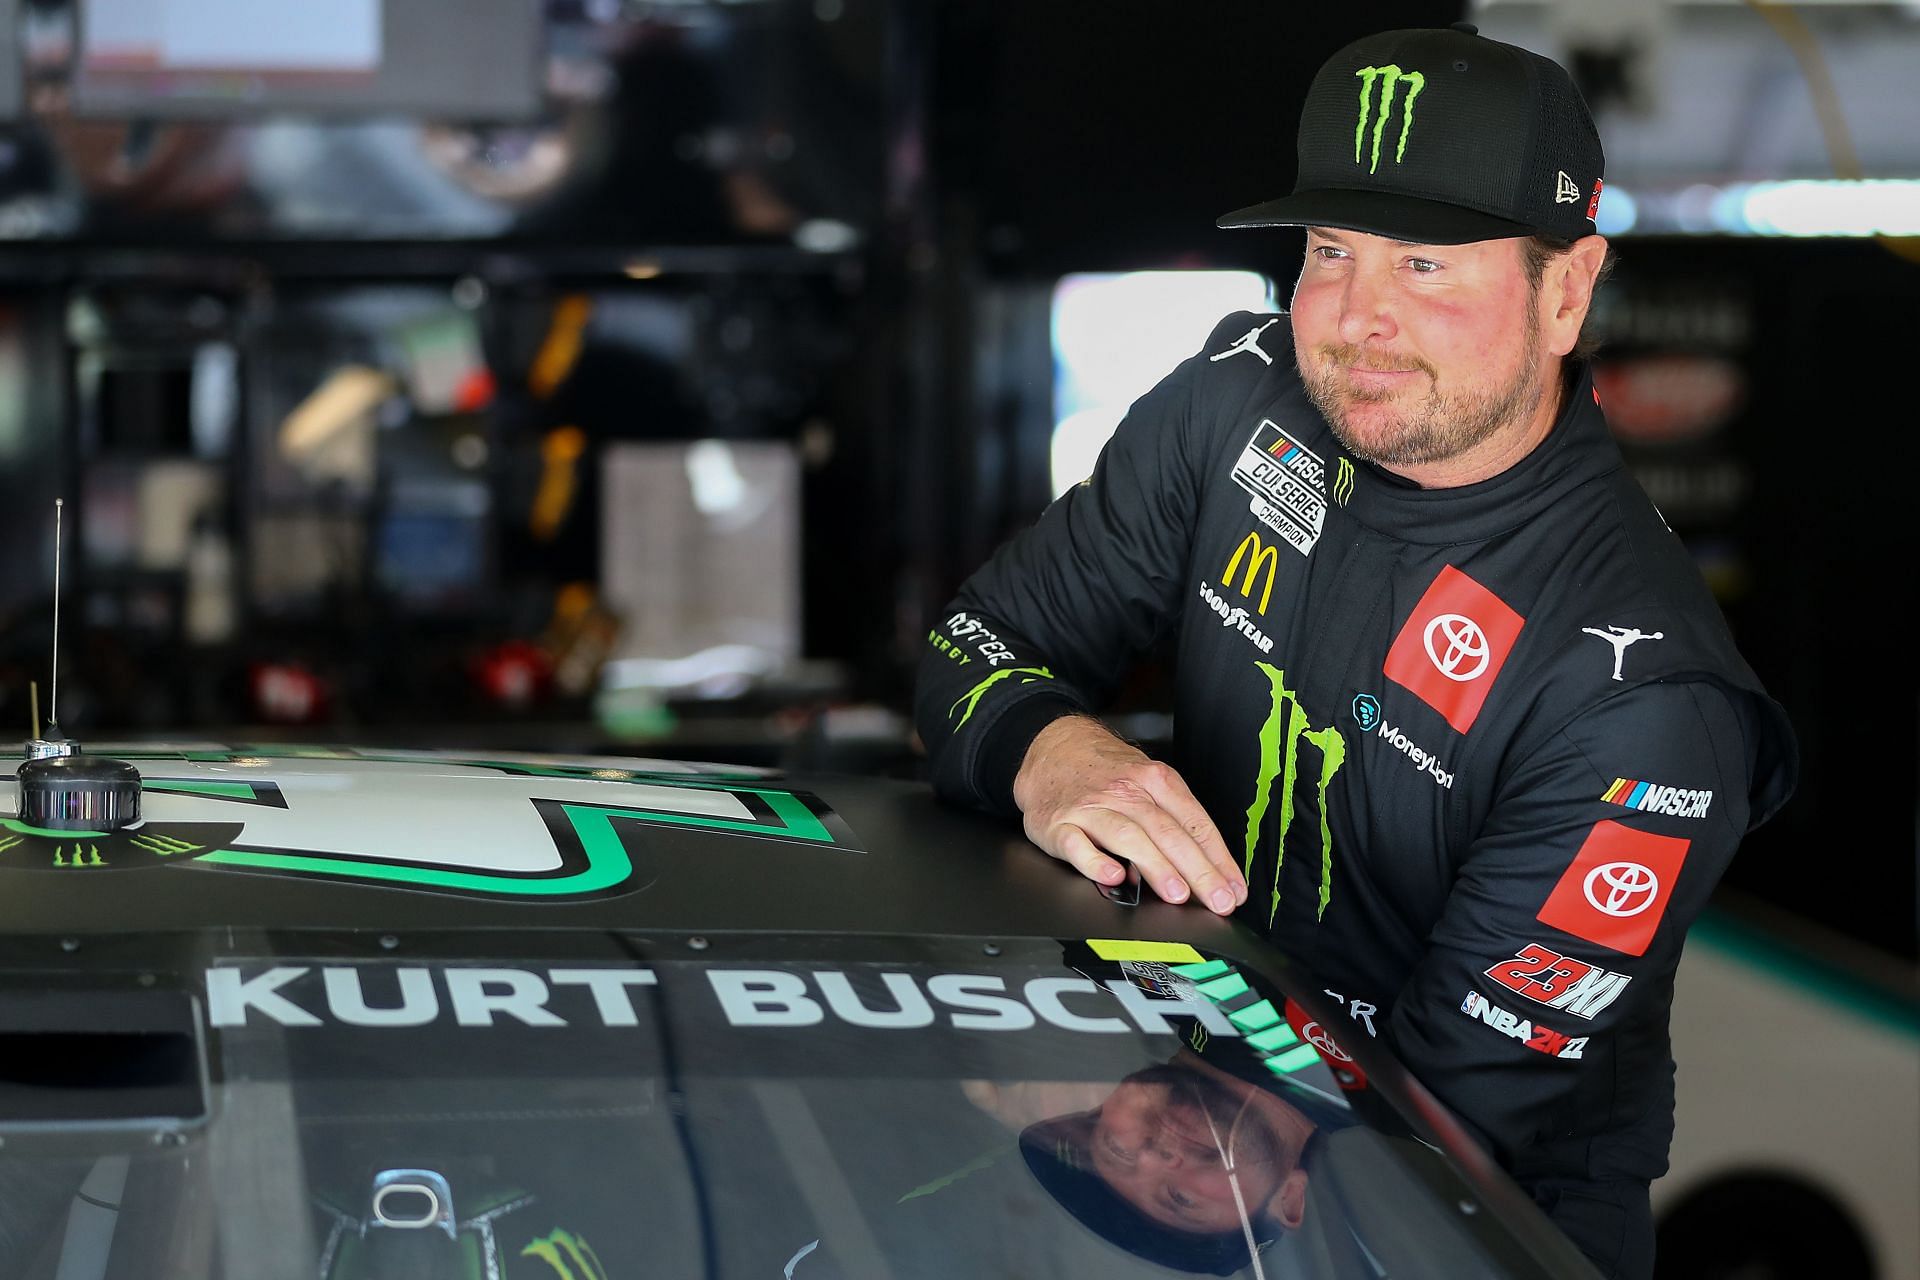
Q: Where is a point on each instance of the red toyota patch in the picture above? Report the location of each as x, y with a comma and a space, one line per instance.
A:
1617, 888
1451, 650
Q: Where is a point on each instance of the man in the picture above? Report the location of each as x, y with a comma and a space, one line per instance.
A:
1457, 722
1182, 1164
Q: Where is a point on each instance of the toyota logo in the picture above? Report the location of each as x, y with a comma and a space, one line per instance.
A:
1319, 1039
1628, 888
1457, 647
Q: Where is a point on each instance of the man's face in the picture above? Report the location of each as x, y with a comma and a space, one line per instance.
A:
1163, 1146
1416, 353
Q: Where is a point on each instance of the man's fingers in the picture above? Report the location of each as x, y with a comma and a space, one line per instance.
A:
1170, 791
1220, 891
1080, 852
1123, 835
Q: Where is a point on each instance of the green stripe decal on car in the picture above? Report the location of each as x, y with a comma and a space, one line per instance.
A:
1198, 972
608, 864
1293, 1060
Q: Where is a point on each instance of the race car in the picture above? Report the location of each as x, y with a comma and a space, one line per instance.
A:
354, 1014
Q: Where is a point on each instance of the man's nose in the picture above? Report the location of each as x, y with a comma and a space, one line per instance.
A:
1166, 1150
1366, 311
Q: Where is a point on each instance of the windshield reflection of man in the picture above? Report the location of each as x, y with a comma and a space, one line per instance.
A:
1181, 1164
1193, 1156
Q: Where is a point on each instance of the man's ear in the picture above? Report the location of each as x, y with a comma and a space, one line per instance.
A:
1566, 292
1288, 1205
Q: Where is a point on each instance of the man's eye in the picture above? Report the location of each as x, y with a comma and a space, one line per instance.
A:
1327, 252
1423, 266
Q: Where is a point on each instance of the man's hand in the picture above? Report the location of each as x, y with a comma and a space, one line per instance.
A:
1085, 794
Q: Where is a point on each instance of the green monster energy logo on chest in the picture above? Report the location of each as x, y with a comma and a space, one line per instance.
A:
1390, 78
1281, 739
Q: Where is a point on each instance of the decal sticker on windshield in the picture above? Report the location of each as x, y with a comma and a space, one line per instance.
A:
380, 995
492, 829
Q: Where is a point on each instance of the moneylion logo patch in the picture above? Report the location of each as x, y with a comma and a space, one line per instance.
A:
1294, 759
1391, 80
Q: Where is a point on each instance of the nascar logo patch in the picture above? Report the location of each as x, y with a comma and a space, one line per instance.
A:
1650, 797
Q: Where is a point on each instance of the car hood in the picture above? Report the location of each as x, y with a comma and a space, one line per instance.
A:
338, 837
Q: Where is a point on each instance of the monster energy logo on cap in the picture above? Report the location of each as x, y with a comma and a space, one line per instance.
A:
1498, 124
1390, 78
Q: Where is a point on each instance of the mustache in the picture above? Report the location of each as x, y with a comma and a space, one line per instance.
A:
1344, 354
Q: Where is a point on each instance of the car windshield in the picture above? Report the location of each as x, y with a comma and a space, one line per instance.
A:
740, 1106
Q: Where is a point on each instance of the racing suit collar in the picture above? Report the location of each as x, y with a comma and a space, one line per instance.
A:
1577, 450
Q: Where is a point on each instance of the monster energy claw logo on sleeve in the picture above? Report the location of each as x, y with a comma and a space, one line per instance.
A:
971, 698
1282, 741
1391, 78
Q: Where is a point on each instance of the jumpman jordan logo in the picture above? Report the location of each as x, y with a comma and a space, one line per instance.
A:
1250, 344
1620, 638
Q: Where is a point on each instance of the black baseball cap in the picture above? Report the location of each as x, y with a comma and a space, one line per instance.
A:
1441, 136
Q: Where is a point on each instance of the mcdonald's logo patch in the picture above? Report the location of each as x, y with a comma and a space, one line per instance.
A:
1258, 555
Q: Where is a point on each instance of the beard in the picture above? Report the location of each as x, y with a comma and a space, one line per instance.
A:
1444, 425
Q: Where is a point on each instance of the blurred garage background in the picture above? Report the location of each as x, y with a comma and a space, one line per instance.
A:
640, 377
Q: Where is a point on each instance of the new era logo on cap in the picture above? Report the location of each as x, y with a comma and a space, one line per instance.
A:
1618, 887
1450, 651
1567, 191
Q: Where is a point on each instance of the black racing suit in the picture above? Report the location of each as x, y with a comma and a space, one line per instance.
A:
1484, 751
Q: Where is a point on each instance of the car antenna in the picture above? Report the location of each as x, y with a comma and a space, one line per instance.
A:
61, 787
53, 743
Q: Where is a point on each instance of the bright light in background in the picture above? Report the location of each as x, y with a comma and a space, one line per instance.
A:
1115, 335
1825, 207
1874, 207
1617, 213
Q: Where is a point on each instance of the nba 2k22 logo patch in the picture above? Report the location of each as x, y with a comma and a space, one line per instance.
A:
1288, 482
